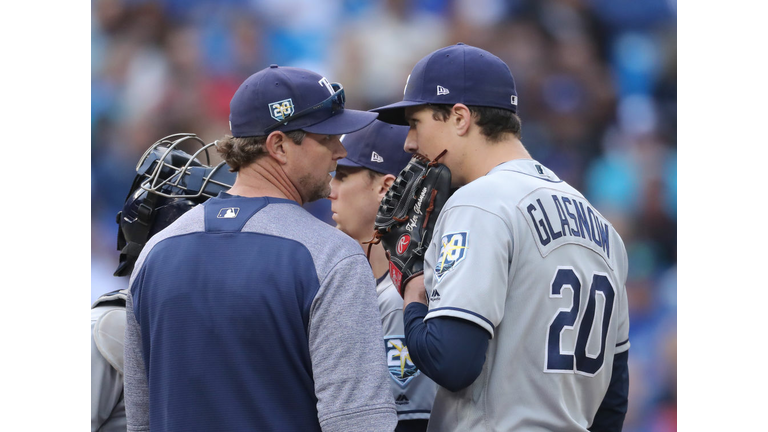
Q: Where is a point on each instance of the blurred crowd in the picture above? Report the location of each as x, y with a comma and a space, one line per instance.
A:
597, 85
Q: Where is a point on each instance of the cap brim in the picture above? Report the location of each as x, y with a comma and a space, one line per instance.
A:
345, 122
348, 163
395, 113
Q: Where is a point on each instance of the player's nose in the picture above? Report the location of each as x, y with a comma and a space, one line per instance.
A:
411, 146
334, 189
339, 151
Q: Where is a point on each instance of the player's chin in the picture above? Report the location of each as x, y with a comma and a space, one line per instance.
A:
339, 222
320, 191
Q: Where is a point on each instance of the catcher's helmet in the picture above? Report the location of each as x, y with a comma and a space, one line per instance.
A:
169, 182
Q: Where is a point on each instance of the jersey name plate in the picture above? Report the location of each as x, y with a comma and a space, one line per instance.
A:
556, 218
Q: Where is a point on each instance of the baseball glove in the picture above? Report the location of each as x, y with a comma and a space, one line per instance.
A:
407, 215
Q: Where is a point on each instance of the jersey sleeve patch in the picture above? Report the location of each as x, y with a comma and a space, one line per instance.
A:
453, 250
399, 363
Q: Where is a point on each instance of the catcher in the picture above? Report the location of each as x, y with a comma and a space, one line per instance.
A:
168, 183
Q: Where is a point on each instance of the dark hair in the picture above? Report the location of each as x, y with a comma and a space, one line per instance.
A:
373, 175
494, 122
242, 151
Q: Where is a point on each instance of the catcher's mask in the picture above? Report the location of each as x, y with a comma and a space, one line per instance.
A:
168, 183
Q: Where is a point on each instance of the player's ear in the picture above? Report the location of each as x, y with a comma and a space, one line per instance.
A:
385, 182
276, 146
460, 119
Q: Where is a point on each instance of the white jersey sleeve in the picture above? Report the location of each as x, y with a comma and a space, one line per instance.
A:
467, 268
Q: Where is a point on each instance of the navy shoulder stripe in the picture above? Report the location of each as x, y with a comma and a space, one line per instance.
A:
465, 311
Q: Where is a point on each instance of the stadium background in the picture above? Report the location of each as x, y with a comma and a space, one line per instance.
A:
597, 81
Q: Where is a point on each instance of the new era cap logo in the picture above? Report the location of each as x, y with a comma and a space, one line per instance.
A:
442, 90
514, 100
376, 158
228, 213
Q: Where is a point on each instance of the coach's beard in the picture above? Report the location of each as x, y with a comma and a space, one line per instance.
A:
314, 189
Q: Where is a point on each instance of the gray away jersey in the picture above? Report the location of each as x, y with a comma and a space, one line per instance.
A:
107, 334
523, 254
413, 391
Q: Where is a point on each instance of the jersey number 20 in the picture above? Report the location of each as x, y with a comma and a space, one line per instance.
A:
579, 360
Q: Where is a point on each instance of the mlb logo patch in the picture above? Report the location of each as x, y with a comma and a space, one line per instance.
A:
228, 213
281, 109
401, 368
453, 250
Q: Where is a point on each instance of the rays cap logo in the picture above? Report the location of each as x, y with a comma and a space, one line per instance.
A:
378, 147
474, 76
285, 99
453, 250
401, 367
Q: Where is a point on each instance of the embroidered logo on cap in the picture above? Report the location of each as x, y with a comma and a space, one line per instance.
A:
281, 109
442, 90
376, 158
327, 84
513, 101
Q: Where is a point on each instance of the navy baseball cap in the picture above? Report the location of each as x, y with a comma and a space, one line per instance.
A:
378, 147
288, 99
455, 74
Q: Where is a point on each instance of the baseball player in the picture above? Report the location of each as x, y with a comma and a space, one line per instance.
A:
148, 209
248, 313
375, 156
520, 315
